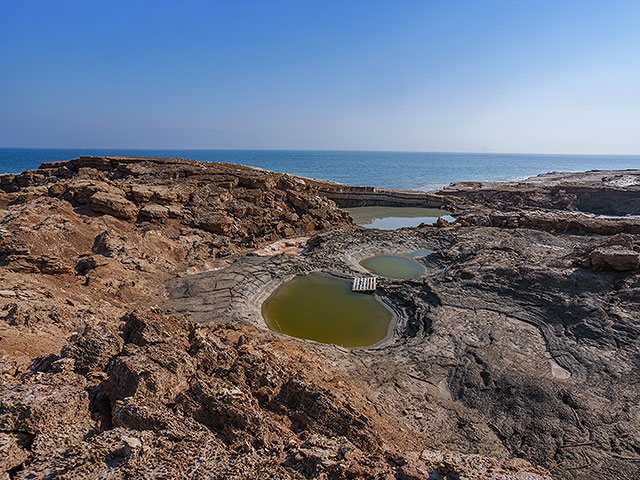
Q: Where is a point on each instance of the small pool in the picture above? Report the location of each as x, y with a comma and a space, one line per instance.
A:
323, 308
391, 218
396, 266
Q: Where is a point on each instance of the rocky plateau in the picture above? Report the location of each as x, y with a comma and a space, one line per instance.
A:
132, 343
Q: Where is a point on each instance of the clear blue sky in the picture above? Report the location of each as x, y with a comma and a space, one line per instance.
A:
494, 76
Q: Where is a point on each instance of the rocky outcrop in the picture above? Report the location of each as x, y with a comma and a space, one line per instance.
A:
616, 258
620, 253
548, 220
227, 402
509, 346
223, 199
520, 342
154, 211
115, 205
599, 192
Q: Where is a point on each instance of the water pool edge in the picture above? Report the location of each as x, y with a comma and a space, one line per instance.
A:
279, 283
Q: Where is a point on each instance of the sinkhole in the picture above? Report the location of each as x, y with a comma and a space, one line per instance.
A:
323, 308
396, 266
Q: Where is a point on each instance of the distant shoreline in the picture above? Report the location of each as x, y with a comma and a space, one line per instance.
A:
392, 170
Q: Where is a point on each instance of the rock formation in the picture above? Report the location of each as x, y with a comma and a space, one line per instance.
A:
132, 344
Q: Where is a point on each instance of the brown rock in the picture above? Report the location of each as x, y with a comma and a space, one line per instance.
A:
174, 211
114, 205
215, 223
47, 264
154, 211
86, 184
615, 257
93, 348
53, 406
141, 193
263, 182
99, 163
14, 449
56, 190
300, 200
164, 195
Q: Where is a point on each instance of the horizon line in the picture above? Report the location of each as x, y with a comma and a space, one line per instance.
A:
328, 150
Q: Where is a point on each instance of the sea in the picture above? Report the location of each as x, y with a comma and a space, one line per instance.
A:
396, 170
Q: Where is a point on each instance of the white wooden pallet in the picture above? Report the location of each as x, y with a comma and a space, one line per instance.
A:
364, 284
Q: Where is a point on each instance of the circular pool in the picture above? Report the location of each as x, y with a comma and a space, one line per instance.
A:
394, 266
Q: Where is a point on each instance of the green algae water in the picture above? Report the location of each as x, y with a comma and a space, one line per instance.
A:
323, 308
393, 266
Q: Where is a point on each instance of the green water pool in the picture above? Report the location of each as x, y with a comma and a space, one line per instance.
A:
323, 308
393, 266
396, 266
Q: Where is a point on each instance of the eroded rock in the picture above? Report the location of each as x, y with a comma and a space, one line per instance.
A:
104, 202
615, 257
93, 388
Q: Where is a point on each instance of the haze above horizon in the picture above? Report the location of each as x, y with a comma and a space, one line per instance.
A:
494, 76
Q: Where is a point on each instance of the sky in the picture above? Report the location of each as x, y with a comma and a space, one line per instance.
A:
544, 76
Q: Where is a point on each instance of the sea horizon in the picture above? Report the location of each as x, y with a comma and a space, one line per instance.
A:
411, 170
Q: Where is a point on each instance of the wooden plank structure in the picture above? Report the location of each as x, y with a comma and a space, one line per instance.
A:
364, 284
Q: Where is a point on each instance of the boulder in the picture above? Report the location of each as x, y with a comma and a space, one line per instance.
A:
56, 190
154, 211
614, 258
141, 193
93, 348
164, 194
215, 223
114, 205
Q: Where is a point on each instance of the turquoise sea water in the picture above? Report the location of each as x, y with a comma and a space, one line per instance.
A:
408, 170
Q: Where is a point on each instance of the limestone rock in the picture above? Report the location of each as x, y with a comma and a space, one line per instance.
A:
115, 205
141, 193
215, 223
47, 264
154, 211
615, 257
93, 348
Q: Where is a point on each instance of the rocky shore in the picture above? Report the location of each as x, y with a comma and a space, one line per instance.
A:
132, 343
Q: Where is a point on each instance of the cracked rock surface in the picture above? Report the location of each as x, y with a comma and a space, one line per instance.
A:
506, 347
